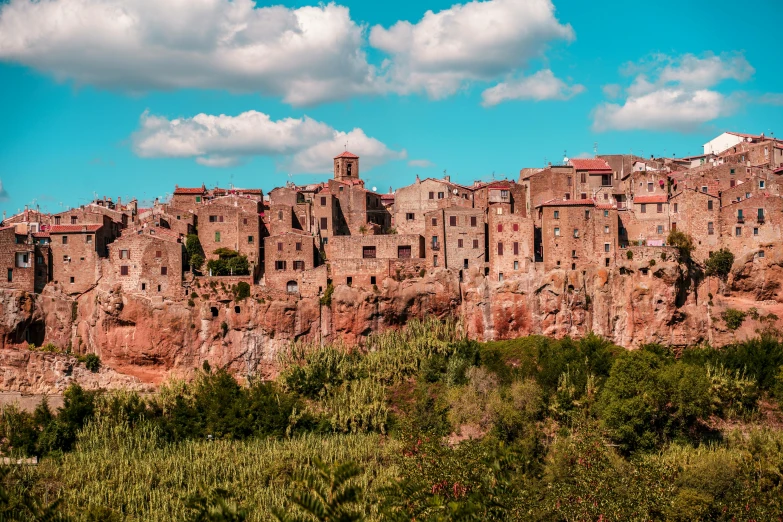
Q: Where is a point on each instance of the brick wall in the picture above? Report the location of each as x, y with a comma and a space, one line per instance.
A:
75, 260
698, 215
148, 265
510, 244
562, 247
282, 252
232, 222
17, 257
550, 183
387, 246
461, 234
422, 197
746, 233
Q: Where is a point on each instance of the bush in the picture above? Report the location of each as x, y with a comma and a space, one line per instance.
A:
194, 252
733, 318
242, 291
682, 242
629, 254
719, 263
326, 299
92, 362
229, 262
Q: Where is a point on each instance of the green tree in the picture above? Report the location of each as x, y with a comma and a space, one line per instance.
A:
229, 262
733, 318
194, 252
326, 494
682, 242
719, 263
214, 507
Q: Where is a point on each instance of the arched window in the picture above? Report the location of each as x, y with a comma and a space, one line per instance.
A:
292, 287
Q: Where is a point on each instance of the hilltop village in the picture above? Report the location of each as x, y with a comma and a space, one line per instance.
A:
301, 239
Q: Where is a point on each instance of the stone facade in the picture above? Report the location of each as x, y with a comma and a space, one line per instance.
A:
751, 222
456, 238
18, 258
648, 219
697, 214
553, 182
76, 250
148, 262
511, 239
232, 222
576, 234
413, 202
287, 255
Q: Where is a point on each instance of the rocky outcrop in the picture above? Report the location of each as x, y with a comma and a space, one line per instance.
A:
143, 341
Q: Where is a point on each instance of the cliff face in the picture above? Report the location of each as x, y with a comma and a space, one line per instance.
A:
142, 342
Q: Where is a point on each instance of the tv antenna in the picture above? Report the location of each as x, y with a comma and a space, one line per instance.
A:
595, 148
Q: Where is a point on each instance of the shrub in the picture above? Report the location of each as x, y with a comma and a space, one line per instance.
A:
326, 299
733, 318
92, 362
663, 256
191, 303
629, 254
229, 262
242, 291
719, 263
224, 328
194, 252
652, 262
682, 242
422, 272
193, 295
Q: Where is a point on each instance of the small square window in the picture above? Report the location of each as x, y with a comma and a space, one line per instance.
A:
607, 246
459, 243
250, 239
557, 232
475, 243
761, 253
217, 237
761, 184
65, 240
432, 195
158, 253
164, 270
755, 231
738, 231
299, 247
557, 214
515, 227
452, 221
144, 286
473, 221
73, 280
124, 270
409, 216
660, 229
372, 280
606, 213
576, 232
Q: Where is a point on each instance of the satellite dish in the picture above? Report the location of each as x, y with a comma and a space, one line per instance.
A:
455, 191
374, 189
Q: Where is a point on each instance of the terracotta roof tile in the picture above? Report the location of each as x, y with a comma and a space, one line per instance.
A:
40, 234
346, 154
658, 198
187, 190
74, 229
567, 202
591, 164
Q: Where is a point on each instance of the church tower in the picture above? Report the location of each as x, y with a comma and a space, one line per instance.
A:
346, 166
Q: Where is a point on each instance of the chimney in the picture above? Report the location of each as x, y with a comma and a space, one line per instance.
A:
418, 180
447, 178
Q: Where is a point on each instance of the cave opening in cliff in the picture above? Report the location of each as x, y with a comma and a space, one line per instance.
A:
214, 311
35, 333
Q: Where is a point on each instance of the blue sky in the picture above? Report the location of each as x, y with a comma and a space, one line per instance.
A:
125, 98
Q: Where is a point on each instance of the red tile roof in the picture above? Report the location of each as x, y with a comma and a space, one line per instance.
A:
346, 154
659, 198
40, 234
74, 229
388, 197
186, 190
605, 206
778, 171
567, 202
591, 164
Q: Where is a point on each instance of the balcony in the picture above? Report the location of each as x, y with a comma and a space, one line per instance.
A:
740, 219
760, 220
436, 246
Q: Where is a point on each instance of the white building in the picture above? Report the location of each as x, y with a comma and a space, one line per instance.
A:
725, 141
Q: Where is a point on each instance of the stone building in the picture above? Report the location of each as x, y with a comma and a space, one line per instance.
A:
593, 175
232, 222
553, 182
697, 214
412, 202
749, 223
577, 234
76, 250
648, 219
507, 195
716, 179
188, 198
760, 151
764, 185
366, 261
287, 256
456, 238
18, 258
95, 215
511, 243
326, 215
149, 261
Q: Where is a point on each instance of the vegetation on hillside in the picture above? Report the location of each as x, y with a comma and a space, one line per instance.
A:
423, 424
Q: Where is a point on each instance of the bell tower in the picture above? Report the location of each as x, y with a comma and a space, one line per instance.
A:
346, 166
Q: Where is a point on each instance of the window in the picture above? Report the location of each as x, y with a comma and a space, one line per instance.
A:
475, 243
659, 208
473, 221
704, 189
409, 216
504, 194
583, 195
299, 265
566, 196
573, 253
500, 249
569, 181
373, 280
56, 220
516, 265
298, 246
459, 243
452, 221
324, 223
557, 232
676, 208
10, 275
74, 220
732, 183
198, 199
710, 228
643, 208
434, 222
432, 195
761, 184
404, 252
73, 280
738, 231
576, 232
500, 276
279, 247
660, 229
65, 240
158, 253
213, 219
516, 248
755, 231
709, 205
606, 229
124, 270
761, 253
250, 239
434, 260
440, 195
732, 171
340, 189
515, 227
649, 186
244, 221
606, 213
607, 246
583, 177
606, 196
279, 265
587, 214
164, 270
39, 260
435, 242
368, 252
557, 214
500, 227
217, 237
323, 201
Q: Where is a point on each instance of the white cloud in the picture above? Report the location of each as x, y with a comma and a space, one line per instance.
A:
300, 144
472, 41
674, 93
612, 90
771, 98
542, 85
421, 163
306, 55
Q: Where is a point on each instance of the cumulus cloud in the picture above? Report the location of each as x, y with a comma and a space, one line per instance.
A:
471, 41
302, 145
421, 163
306, 55
771, 98
674, 93
542, 85
612, 90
